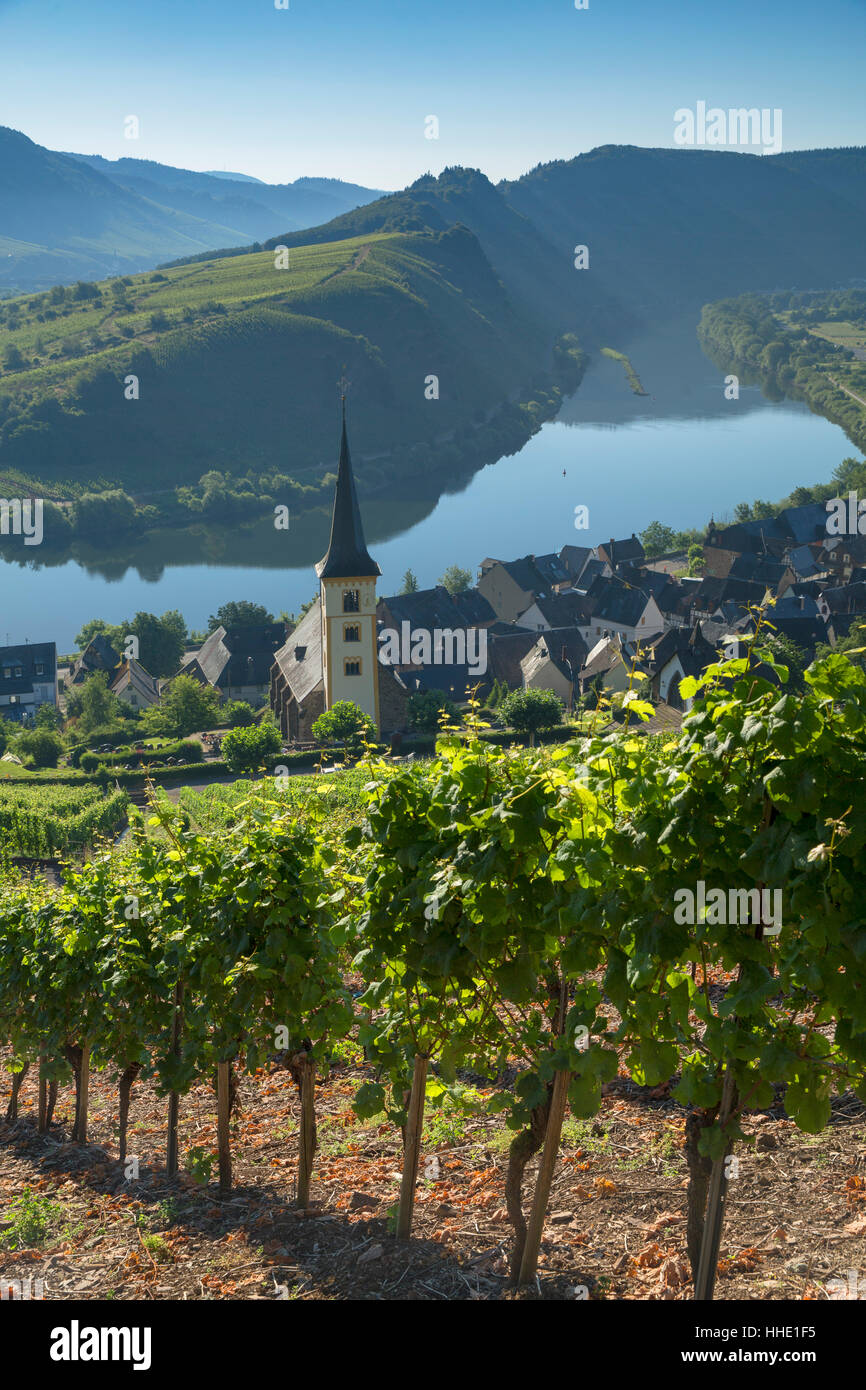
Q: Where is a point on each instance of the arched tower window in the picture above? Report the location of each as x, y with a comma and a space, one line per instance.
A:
351, 601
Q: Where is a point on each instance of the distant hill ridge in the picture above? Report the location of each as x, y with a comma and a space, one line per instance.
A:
65, 217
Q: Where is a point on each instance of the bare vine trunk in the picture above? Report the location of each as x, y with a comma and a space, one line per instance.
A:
17, 1083
522, 1148
52, 1101
78, 1057
127, 1081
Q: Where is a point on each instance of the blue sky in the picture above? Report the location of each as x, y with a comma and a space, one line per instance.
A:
342, 87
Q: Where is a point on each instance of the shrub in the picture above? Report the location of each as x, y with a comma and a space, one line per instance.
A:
343, 721
247, 749
239, 714
42, 746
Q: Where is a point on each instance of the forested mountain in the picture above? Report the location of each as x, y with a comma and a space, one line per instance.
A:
68, 217
666, 230
235, 365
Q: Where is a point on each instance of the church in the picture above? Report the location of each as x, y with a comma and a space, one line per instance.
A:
333, 652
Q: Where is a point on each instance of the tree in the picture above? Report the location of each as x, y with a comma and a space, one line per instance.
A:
529, 711
657, 539
424, 709
187, 707
245, 750
48, 717
697, 563
93, 704
160, 641
98, 627
104, 514
239, 714
13, 361
242, 614
456, 580
410, 583
342, 722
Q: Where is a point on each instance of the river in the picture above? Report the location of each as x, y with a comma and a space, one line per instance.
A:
677, 455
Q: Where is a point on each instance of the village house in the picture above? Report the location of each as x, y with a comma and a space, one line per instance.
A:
564, 610
621, 609
774, 535
615, 553
28, 679
237, 663
512, 586
554, 663
135, 686
98, 655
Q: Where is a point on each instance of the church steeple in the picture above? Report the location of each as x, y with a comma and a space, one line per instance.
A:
347, 556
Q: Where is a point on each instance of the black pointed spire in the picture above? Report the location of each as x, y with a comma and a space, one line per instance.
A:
347, 556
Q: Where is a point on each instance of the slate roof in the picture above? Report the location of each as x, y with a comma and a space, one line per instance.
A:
347, 556
846, 598
619, 605
242, 656
663, 587
552, 569
762, 569
565, 648
526, 575
98, 655
713, 592
432, 608
794, 526
303, 673
692, 649
564, 610
504, 655
592, 570
457, 682
621, 552
574, 557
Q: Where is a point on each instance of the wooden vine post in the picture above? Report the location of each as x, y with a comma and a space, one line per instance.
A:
43, 1097
302, 1067
127, 1081
224, 1105
412, 1148
173, 1096
705, 1281
83, 1078
541, 1196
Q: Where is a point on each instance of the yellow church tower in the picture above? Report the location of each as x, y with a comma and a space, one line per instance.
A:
347, 577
